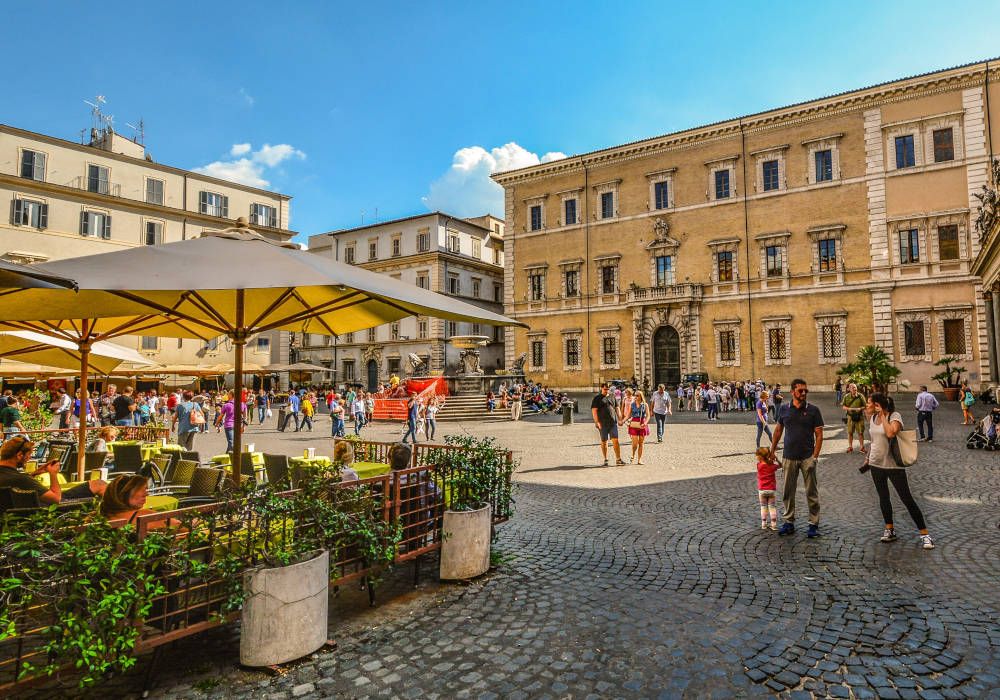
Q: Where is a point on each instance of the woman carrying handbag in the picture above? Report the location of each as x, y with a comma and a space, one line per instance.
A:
638, 425
885, 424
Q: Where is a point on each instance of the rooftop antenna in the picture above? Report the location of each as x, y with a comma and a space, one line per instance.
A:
376, 215
138, 132
101, 122
362, 217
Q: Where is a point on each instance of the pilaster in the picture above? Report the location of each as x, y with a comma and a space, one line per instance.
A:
878, 239
882, 318
977, 167
509, 348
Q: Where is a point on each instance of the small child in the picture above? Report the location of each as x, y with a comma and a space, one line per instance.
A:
767, 487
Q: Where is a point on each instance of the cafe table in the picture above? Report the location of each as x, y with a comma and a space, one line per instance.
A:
256, 458
157, 503
317, 461
366, 470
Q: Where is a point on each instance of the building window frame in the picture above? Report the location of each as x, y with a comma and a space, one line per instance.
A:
397, 245
477, 248
372, 249
819, 145
824, 270
155, 190
725, 261
537, 351
769, 167
831, 337
347, 367
263, 215
536, 215
34, 161
610, 347
152, 230
95, 223
727, 342
774, 268
30, 212
536, 285
350, 254
661, 189
98, 178
716, 192
607, 200
423, 240
963, 314
777, 332
910, 316
572, 349
213, 204
149, 343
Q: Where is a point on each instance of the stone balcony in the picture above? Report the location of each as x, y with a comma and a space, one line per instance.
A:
669, 292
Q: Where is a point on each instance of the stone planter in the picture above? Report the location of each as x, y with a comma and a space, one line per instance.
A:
950, 393
285, 611
465, 549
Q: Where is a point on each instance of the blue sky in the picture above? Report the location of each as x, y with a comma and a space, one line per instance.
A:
402, 107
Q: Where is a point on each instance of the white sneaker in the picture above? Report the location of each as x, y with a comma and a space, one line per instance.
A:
888, 535
926, 542
763, 526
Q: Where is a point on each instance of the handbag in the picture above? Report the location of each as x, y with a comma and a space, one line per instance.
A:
197, 416
635, 424
903, 448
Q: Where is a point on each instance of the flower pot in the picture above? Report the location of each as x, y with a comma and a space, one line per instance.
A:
285, 611
465, 549
950, 393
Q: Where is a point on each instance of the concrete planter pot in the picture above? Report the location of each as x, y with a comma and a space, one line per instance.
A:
465, 549
950, 393
285, 611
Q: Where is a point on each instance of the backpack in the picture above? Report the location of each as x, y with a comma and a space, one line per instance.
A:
969, 398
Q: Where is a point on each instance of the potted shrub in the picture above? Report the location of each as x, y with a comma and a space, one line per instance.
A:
950, 378
476, 481
872, 368
289, 541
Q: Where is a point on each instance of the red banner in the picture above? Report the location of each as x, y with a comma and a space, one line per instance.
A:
426, 387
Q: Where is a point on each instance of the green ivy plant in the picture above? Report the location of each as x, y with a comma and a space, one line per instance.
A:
478, 473
35, 413
83, 582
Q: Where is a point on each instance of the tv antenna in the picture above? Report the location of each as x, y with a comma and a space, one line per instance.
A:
138, 132
101, 121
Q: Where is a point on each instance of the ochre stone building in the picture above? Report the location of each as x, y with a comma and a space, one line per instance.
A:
773, 245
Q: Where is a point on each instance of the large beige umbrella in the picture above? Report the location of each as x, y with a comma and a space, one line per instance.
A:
27, 346
233, 283
14, 276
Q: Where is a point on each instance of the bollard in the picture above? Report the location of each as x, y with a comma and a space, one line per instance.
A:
567, 413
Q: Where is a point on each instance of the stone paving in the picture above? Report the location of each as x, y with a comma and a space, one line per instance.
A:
656, 581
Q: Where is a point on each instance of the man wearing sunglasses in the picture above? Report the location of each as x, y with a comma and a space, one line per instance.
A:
801, 424
14, 454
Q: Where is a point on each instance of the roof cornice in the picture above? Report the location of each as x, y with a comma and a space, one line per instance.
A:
851, 101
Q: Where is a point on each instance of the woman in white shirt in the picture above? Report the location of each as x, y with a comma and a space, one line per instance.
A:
884, 424
431, 416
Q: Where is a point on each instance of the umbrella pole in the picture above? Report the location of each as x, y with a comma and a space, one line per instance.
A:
81, 446
239, 340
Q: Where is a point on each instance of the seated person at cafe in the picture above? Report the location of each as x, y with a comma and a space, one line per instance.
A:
400, 456
105, 435
124, 499
14, 455
343, 456
94, 488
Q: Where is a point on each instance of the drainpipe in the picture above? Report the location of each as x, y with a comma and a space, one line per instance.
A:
586, 237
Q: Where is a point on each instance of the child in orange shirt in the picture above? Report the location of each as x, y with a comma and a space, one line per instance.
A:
767, 488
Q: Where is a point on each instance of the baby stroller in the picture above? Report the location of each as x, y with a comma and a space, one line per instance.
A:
985, 436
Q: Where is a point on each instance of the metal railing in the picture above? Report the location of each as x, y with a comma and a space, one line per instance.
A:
88, 184
667, 291
141, 433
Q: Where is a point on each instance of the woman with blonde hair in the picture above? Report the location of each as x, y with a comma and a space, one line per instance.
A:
124, 500
105, 435
343, 456
638, 424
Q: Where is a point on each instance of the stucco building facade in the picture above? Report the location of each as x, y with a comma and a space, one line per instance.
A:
436, 251
63, 199
773, 245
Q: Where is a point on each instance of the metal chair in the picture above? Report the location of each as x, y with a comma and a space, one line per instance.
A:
180, 478
192, 455
162, 463
276, 467
128, 458
12, 498
247, 468
94, 460
204, 487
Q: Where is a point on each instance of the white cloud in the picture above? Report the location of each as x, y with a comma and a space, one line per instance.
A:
248, 166
466, 189
248, 99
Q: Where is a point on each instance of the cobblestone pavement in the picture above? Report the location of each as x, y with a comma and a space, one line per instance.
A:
656, 581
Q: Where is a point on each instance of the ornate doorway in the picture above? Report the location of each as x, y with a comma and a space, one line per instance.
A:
666, 357
372, 375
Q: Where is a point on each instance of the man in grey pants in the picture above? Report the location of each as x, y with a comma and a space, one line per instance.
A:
801, 424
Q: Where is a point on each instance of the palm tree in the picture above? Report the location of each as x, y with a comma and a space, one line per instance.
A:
872, 367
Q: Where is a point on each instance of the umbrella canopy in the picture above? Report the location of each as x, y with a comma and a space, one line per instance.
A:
13, 276
26, 346
234, 283
192, 285
13, 368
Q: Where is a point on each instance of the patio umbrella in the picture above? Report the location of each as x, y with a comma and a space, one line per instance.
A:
298, 367
234, 283
13, 276
27, 346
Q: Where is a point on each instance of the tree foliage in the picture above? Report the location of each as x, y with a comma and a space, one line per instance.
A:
872, 368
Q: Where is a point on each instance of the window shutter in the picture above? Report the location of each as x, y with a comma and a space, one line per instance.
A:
40, 167
225, 207
203, 202
84, 224
43, 216
107, 227
17, 211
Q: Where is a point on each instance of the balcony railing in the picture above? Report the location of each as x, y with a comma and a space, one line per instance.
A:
667, 291
82, 182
